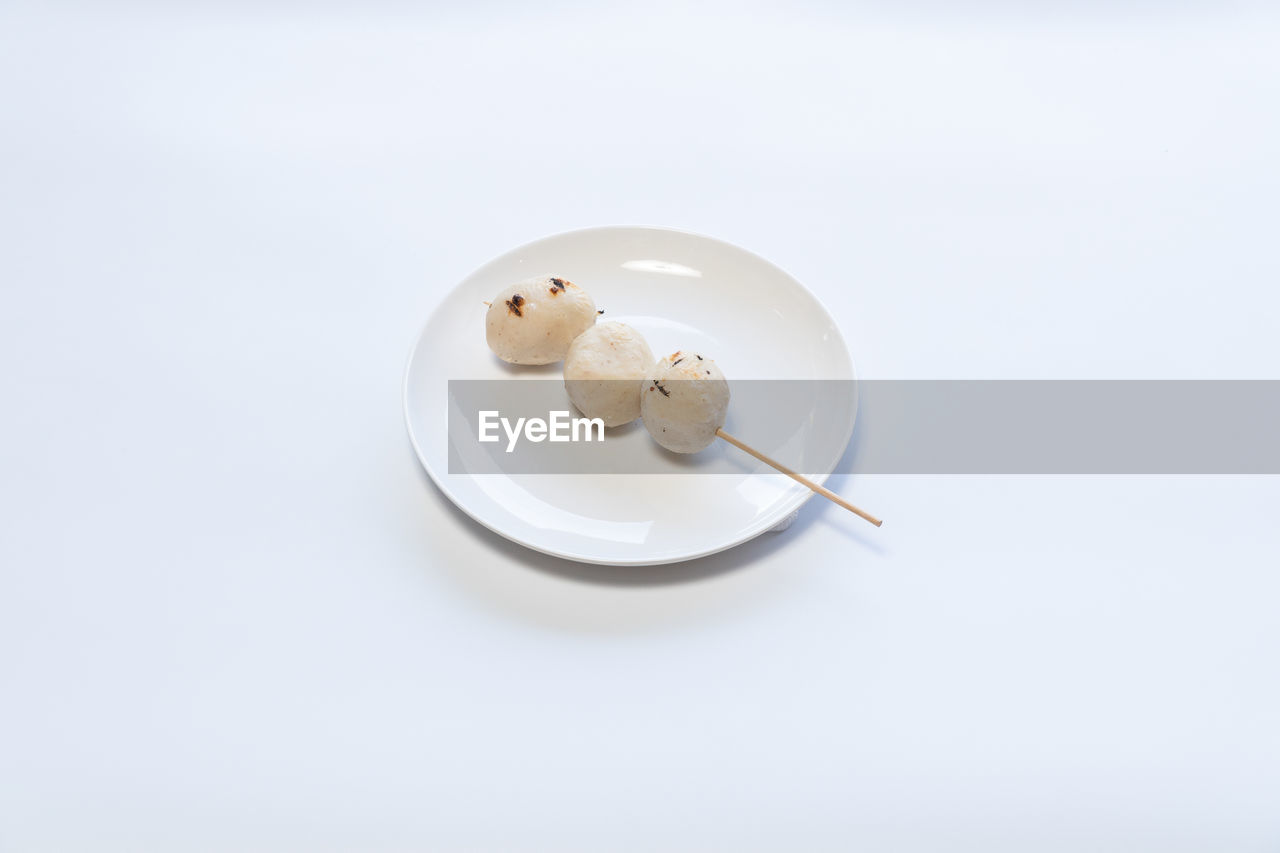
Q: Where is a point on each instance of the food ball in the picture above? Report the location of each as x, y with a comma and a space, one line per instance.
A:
534, 321
603, 372
684, 401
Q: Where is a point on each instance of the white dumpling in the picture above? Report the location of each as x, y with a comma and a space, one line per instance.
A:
603, 372
534, 321
684, 401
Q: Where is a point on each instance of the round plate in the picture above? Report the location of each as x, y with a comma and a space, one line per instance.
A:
682, 291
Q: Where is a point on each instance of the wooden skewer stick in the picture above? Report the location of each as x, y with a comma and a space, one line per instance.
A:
799, 478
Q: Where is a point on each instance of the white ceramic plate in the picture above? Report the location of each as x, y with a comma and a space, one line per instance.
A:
682, 291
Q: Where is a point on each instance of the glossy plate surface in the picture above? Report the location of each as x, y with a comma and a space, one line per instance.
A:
682, 291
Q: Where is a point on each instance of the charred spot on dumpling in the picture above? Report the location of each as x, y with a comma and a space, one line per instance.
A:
661, 388
557, 286
514, 303
677, 361
699, 357
601, 311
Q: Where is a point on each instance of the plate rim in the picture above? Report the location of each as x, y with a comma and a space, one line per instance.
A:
748, 532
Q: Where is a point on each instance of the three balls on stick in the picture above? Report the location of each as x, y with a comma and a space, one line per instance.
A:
610, 372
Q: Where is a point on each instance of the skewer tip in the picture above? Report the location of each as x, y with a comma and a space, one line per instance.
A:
799, 478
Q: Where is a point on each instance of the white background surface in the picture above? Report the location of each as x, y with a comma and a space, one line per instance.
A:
235, 615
